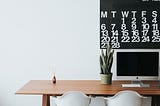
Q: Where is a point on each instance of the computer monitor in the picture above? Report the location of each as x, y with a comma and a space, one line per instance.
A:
137, 65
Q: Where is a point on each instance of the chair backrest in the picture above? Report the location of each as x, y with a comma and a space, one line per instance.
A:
73, 98
125, 98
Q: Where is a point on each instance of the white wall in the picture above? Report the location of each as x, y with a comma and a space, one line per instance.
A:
38, 37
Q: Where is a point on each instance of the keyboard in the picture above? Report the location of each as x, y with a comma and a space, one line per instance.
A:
131, 85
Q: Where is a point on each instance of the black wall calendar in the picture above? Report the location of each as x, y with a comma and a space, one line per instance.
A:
130, 24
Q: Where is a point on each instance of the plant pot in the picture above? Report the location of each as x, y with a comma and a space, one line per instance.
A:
106, 79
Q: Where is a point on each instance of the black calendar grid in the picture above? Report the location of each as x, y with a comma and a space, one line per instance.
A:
130, 24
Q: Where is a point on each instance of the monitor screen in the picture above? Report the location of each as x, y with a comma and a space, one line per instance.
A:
138, 65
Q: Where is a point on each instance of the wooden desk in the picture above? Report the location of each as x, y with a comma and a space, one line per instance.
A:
91, 87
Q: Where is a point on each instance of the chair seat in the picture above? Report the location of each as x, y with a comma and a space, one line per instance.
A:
126, 98
73, 98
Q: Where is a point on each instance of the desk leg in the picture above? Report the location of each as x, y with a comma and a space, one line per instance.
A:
45, 100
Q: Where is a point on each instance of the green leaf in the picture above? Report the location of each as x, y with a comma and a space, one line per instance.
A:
106, 59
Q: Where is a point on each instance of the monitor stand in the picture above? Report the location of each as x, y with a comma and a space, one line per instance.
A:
140, 82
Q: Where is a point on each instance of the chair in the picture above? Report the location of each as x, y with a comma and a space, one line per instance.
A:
73, 98
126, 98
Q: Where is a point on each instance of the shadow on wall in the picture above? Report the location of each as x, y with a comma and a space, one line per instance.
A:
1, 103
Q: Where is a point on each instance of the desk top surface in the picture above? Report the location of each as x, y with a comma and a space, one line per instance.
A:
90, 87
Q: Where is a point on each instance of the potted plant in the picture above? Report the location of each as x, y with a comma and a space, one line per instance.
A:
106, 61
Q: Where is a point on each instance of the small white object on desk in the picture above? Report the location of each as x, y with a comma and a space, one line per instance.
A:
131, 85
